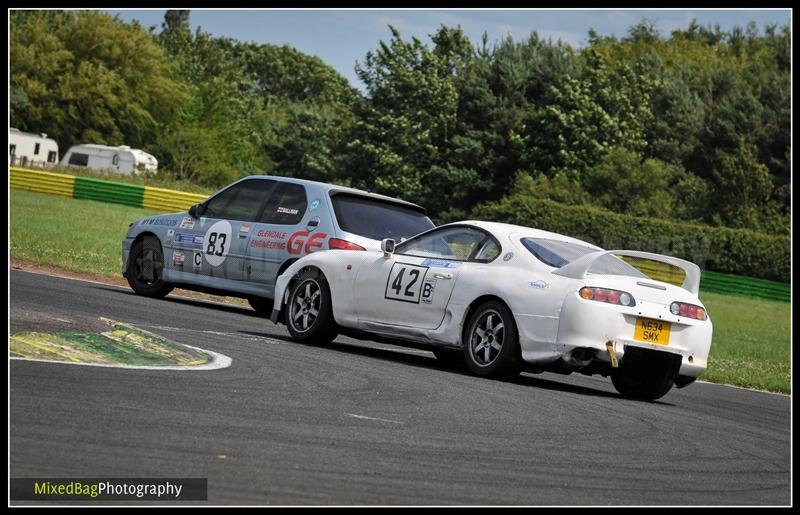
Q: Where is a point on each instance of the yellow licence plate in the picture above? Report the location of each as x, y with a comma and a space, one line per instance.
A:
652, 331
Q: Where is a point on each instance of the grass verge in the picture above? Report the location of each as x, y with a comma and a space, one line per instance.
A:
123, 345
76, 235
751, 346
752, 343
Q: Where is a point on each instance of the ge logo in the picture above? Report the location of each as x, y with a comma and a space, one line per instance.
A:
301, 243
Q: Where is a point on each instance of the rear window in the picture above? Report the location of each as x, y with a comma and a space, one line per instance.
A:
560, 253
378, 219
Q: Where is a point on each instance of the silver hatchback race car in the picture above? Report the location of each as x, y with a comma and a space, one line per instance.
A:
239, 240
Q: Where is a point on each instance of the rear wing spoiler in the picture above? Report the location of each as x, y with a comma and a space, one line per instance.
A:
578, 268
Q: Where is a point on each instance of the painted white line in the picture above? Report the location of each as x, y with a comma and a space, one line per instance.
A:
364, 417
217, 362
743, 388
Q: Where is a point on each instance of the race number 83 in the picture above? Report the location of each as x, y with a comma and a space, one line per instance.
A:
216, 242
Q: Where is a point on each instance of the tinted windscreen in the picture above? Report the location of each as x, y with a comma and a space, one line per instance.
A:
560, 253
376, 219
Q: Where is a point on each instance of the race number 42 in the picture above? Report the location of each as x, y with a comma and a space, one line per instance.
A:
406, 282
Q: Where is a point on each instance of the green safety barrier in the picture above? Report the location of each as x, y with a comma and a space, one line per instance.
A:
134, 195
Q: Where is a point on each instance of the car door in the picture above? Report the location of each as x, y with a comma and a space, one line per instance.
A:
286, 229
412, 287
216, 244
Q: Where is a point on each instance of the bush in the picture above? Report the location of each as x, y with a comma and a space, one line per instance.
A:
720, 249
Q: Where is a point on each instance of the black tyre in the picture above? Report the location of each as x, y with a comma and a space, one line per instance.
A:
450, 358
145, 272
646, 375
309, 317
261, 305
491, 342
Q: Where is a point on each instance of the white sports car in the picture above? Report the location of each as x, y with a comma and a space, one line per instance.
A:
505, 298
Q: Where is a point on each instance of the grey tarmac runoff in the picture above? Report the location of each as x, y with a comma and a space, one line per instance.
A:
360, 422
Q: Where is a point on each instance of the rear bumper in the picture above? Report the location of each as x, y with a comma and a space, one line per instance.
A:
591, 325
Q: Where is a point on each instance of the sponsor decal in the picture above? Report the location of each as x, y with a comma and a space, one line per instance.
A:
187, 223
267, 244
217, 242
441, 263
314, 204
301, 243
170, 233
287, 210
245, 228
178, 258
538, 284
197, 260
169, 222
189, 239
266, 239
271, 234
508, 256
427, 291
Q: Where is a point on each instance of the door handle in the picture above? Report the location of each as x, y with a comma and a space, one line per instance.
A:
442, 276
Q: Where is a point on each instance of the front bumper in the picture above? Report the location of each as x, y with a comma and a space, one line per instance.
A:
126, 251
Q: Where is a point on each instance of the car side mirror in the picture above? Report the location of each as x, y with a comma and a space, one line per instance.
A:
387, 246
196, 210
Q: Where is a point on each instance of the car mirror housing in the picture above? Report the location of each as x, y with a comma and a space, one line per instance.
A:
196, 210
387, 246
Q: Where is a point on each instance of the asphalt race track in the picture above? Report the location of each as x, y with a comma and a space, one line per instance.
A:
366, 423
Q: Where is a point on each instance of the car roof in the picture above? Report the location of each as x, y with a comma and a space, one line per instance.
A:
335, 188
503, 231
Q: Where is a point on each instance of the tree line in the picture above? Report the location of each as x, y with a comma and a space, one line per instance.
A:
693, 126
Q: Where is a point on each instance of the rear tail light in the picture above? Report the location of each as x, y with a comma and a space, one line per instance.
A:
337, 244
688, 310
607, 295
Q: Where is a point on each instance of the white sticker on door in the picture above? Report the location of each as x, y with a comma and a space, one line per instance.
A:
217, 242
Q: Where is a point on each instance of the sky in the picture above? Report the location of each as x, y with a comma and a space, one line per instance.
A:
342, 37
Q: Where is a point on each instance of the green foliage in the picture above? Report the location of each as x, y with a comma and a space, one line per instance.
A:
625, 183
691, 126
400, 142
87, 77
585, 116
734, 251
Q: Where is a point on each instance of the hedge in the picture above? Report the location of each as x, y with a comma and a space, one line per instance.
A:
721, 249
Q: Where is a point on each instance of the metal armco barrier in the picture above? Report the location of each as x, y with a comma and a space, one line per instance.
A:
45, 182
104, 191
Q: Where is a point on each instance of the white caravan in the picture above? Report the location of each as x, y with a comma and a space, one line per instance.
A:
122, 159
26, 149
